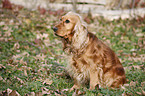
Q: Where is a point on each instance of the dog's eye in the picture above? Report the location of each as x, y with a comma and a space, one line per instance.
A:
60, 19
67, 21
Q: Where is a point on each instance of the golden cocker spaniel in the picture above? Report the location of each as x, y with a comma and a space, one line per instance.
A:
92, 61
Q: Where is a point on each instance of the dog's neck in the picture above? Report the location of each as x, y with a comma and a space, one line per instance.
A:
79, 39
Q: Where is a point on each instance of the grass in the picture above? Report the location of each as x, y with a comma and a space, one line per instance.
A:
30, 55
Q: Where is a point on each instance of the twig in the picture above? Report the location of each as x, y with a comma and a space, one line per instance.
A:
74, 2
132, 11
120, 2
8, 12
133, 4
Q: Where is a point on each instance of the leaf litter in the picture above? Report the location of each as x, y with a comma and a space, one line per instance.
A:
32, 56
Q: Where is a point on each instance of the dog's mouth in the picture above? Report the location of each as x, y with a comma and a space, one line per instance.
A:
58, 35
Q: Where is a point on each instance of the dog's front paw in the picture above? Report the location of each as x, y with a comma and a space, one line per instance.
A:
95, 87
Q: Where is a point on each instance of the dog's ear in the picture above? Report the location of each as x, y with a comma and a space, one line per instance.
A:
80, 34
80, 26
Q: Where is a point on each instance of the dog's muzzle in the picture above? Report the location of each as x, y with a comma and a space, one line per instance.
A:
55, 29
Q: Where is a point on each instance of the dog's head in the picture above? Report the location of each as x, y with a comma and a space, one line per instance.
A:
72, 27
69, 24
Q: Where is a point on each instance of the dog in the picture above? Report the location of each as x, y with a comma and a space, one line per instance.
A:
92, 61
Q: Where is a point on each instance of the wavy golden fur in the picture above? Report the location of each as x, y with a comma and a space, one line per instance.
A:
92, 61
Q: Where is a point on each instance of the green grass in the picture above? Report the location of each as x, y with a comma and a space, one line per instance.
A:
30, 54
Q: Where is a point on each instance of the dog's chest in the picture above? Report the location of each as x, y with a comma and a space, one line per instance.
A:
80, 68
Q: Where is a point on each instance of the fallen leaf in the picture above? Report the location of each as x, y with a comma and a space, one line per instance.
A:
20, 80
6, 4
75, 93
143, 83
46, 42
30, 94
2, 23
14, 93
65, 90
38, 94
136, 66
132, 83
45, 91
124, 86
1, 66
140, 34
56, 94
1, 78
48, 82
42, 10
59, 74
41, 70
141, 93
22, 61
25, 72
40, 57
27, 21
38, 41
9, 91
41, 36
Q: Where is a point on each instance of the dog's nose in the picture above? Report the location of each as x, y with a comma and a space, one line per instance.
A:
55, 29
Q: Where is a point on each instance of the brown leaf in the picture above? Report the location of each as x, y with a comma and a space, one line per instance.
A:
27, 21
56, 94
143, 83
20, 80
42, 10
46, 42
1, 66
132, 83
6, 4
14, 93
30, 94
141, 93
124, 86
65, 90
44, 51
75, 93
1, 78
45, 91
25, 72
87, 19
40, 56
16, 45
41, 70
48, 82
136, 66
59, 74
9, 91
38, 41
23, 62
38, 94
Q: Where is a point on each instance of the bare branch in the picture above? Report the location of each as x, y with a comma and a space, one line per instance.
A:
74, 2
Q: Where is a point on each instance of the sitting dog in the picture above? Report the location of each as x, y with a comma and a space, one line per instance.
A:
92, 61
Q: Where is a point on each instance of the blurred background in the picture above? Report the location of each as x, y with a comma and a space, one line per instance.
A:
110, 9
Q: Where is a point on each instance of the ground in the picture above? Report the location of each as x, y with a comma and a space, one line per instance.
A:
31, 56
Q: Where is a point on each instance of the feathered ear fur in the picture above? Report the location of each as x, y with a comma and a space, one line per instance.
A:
80, 33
